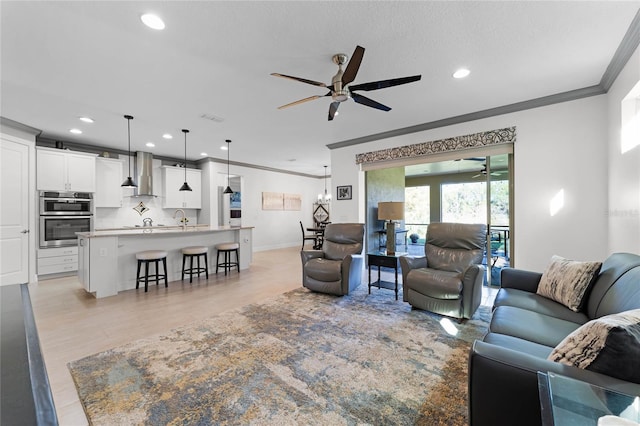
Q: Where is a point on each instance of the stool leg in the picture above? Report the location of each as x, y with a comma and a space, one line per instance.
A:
226, 262
206, 265
157, 271
237, 261
217, 261
190, 269
184, 258
138, 274
198, 266
164, 264
146, 276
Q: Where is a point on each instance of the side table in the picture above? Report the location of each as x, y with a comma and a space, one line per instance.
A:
381, 258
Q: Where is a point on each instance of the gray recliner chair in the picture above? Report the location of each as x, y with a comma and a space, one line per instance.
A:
448, 279
337, 268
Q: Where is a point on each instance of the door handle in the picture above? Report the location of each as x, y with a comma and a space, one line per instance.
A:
24, 231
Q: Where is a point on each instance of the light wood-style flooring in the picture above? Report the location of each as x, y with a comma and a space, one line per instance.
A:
73, 324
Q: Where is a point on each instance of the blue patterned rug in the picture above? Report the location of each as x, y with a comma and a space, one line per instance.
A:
299, 358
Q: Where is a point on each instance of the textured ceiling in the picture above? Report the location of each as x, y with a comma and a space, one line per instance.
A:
61, 60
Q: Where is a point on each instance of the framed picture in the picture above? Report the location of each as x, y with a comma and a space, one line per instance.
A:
344, 192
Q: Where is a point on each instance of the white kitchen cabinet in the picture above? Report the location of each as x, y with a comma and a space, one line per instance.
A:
62, 170
57, 260
97, 262
108, 181
172, 180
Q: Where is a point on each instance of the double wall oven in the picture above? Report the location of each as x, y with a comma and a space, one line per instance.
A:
62, 214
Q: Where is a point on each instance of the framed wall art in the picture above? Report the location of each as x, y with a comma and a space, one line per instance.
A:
343, 192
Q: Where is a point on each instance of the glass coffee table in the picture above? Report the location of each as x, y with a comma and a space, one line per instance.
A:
566, 402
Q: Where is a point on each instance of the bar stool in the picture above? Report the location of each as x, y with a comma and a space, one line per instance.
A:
227, 249
146, 257
190, 253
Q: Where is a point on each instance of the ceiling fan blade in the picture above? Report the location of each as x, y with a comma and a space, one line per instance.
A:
375, 85
369, 102
333, 109
478, 175
353, 66
302, 80
301, 101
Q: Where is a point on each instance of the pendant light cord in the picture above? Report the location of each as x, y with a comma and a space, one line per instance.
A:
185, 154
129, 139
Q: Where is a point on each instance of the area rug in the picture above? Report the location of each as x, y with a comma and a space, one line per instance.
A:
299, 358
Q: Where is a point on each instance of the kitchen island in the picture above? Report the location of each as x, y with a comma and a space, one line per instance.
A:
107, 258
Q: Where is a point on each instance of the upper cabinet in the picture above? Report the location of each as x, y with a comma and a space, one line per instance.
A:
62, 170
108, 181
172, 180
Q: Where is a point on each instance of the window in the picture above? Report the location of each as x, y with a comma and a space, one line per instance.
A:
417, 210
464, 202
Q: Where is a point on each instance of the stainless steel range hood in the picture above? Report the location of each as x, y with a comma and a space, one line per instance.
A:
144, 173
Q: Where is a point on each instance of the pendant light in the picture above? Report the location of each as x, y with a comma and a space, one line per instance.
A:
185, 186
326, 198
128, 182
228, 189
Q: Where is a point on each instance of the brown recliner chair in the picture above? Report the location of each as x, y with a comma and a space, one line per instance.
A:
337, 268
448, 279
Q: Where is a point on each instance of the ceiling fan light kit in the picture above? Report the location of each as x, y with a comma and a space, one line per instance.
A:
339, 89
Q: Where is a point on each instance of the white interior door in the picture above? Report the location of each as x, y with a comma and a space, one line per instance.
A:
14, 212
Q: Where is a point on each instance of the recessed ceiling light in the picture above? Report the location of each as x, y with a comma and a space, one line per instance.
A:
152, 21
204, 154
86, 119
150, 144
167, 136
461, 73
76, 131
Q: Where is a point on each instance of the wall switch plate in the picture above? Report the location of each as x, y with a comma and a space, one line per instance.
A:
103, 252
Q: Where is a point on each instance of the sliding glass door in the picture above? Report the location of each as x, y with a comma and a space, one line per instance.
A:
482, 196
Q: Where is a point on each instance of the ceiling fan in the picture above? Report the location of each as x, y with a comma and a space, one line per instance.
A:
339, 89
483, 172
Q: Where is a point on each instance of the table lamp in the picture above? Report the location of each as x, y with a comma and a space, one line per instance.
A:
391, 211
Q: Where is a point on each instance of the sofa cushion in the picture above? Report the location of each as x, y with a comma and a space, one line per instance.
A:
609, 345
567, 281
524, 324
436, 284
324, 269
536, 303
517, 344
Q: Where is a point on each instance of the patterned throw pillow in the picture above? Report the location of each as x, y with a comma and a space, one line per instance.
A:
609, 345
567, 281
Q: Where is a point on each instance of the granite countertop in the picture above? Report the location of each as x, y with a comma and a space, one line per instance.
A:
158, 230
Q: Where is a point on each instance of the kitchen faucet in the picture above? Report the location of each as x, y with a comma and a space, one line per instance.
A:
184, 221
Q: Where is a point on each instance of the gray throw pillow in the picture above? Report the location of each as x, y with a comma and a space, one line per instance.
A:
609, 345
567, 281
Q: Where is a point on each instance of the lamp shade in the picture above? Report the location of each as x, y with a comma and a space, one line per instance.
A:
391, 210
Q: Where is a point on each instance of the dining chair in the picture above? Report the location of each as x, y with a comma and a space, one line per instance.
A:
307, 237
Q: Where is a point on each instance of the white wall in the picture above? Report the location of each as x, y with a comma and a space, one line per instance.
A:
624, 167
562, 146
272, 228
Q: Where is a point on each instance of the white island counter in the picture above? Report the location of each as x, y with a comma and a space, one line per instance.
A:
107, 258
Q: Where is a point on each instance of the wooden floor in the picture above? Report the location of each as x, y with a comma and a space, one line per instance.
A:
73, 324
